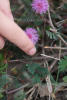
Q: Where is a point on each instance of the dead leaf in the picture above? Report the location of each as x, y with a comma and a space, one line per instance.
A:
43, 91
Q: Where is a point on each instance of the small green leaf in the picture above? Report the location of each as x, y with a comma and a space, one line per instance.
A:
32, 67
52, 79
51, 35
4, 79
42, 72
1, 57
1, 95
63, 64
36, 79
65, 6
65, 79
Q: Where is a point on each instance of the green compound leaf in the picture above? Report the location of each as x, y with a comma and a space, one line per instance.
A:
4, 79
42, 72
32, 67
35, 69
36, 79
63, 64
51, 35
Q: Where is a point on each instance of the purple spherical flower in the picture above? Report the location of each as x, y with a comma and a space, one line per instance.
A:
32, 34
40, 6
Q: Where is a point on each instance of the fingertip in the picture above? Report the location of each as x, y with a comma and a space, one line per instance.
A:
32, 51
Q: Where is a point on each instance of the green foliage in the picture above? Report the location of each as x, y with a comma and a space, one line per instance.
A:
27, 2
1, 57
37, 72
28, 16
4, 79
51, 35
3, 68
20, 95
65, 6
16, 83
63, 67
1, 95
2, 65
32, 68
36, 79
42, 72
63, 64
65, 79
52, 79
39, 32
54, 16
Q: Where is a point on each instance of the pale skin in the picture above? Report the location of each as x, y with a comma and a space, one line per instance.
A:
12, 32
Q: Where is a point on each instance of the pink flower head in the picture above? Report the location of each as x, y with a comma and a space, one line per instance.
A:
32, 34
40, 6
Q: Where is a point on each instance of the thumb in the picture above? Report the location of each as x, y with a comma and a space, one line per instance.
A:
5, 8
16, 35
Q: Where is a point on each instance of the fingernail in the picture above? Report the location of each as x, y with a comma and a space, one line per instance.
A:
32, 51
